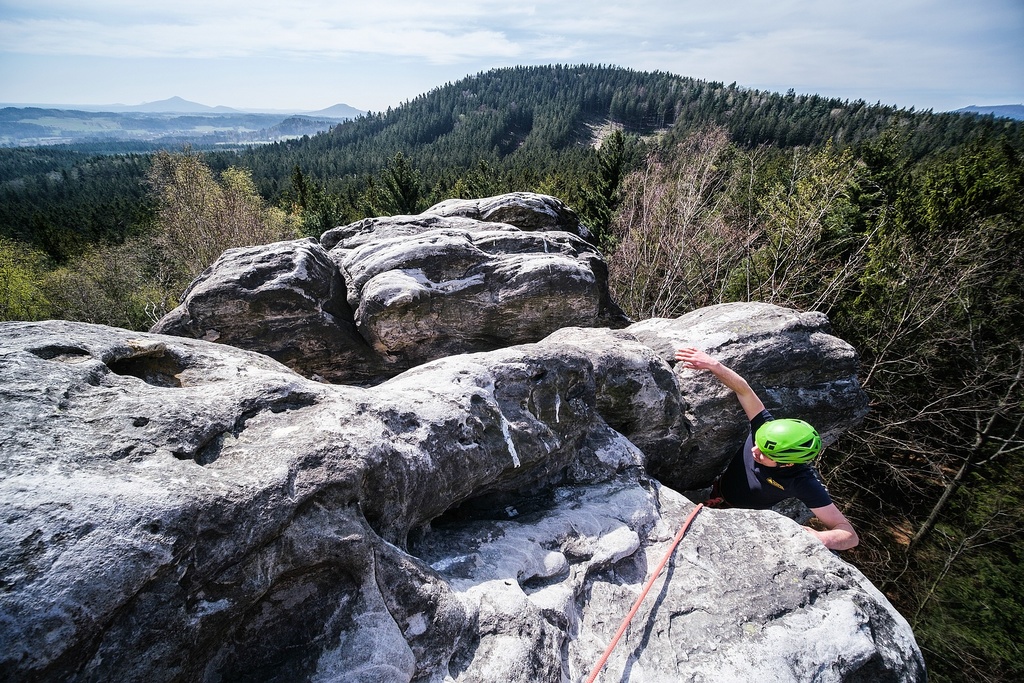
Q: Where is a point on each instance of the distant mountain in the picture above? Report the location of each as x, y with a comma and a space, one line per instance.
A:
1010, 111
152, 127
338, 111
177, 105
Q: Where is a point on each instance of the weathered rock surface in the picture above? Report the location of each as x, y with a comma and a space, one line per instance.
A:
286, 300
521, 210
637, 395
687, 423
526, 210
382, 295
790, 358
445, 291
177, 509
749, 596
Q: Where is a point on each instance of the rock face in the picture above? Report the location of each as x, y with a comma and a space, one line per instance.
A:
286, 300
525, 210
182, 510
422, 448
383, 295
789, 358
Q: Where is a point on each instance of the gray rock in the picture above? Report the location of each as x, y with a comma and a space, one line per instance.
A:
182, 510
394, 292
178, 507
286, 300
369, 230
637, 395
793, 362
525, 210
441, 292
747, 596
521, 210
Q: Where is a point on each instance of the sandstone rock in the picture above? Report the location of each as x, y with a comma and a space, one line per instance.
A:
789, 358
182, 510
748, 596
417, 298
178, 507
525, 210
369, 230
391, 293
520, 210
638, 396
286, 300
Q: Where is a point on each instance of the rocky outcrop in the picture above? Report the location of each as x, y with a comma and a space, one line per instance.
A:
525, 210
422, 448
791, 359
749, 596
382, 295
287, 300
177, 509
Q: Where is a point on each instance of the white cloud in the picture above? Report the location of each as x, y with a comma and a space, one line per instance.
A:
813, 45
488, 28
441, 32
249, 36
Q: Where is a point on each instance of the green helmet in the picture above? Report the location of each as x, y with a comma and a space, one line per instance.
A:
788, 441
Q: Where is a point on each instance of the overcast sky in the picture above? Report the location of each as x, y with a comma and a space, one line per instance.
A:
307, 55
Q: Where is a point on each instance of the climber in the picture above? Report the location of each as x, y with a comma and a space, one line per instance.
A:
774, 463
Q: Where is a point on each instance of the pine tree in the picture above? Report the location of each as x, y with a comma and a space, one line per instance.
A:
397, 190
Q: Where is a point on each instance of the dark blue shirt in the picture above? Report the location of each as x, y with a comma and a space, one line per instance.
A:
746, 484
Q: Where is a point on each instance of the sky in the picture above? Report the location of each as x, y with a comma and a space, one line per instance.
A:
305, 55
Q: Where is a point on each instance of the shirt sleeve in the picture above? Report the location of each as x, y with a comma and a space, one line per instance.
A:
759, 420
812, 492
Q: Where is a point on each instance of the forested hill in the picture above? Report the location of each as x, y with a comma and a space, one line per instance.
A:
531, 112
518, 128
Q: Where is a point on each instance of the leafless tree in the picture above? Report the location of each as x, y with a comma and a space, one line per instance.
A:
676, 244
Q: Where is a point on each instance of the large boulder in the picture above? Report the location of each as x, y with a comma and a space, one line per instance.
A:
178, 510
525, 210
286, 300
369, 230
791, 360
446, 291
520, 210
382, 295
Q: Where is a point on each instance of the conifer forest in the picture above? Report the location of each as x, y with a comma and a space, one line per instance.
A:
905, 227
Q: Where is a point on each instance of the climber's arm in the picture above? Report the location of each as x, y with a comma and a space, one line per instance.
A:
840, 534
698, 360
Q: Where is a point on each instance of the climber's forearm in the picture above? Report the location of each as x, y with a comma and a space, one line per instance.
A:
698, 360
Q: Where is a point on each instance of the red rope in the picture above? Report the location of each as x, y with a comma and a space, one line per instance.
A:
629, 617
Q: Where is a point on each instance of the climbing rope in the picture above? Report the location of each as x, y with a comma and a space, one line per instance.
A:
643, 594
